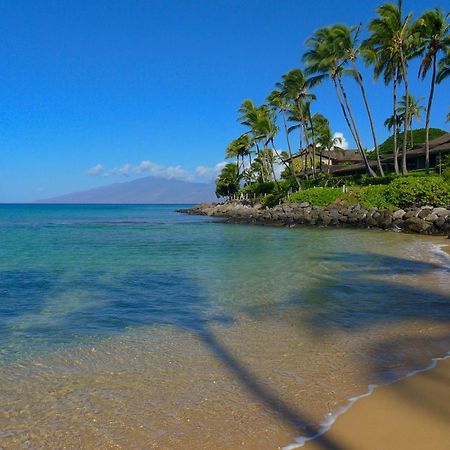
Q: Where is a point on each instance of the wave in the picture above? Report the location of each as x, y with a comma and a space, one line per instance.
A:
331, 417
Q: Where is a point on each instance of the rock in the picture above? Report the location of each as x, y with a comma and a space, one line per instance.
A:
431, 217
417, 225
304, 205
398, 214
410, 213
439, 222
424, 212
441, 212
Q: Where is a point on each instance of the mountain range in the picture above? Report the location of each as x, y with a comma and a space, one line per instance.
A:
142, 190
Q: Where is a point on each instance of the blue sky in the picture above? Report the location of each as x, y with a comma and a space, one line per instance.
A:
135, 87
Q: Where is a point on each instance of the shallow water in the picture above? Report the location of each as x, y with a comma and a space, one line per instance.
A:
137, 327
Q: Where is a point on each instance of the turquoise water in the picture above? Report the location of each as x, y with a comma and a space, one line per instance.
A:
76, 277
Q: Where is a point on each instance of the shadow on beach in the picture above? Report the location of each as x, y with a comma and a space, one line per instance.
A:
351, 299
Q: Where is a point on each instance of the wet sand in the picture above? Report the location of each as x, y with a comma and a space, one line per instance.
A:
257, 382
411, 414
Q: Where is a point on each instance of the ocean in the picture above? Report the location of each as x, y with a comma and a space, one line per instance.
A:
134, 326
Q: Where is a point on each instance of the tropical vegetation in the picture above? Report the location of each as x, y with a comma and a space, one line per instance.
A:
333, 55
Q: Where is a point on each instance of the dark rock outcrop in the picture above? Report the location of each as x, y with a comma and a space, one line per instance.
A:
423, 220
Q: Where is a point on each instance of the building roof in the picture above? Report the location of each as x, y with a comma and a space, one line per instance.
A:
440, 144
335, 155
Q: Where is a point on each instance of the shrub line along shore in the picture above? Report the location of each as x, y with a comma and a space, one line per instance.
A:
427, 220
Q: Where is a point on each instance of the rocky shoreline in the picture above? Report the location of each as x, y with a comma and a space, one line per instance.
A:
424, 220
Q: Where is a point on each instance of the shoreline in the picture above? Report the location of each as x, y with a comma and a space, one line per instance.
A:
357, 425
341, 432
426, 220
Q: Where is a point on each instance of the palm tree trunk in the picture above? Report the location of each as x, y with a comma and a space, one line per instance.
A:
396, 168
261, 161
291, 166
427, 122
354, 131
406, 120
279, 156
313, 139
369, 114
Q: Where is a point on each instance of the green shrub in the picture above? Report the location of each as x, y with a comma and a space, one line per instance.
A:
374, 196
259, 188
446, 174
316, 196
272, 200
417, 191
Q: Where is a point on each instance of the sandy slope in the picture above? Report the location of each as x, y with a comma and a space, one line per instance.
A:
411, 414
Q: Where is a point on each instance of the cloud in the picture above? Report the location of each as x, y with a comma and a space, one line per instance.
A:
149, 168
344, 143
96, 170
210, 172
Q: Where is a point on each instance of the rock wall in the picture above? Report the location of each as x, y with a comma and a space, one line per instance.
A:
424, 220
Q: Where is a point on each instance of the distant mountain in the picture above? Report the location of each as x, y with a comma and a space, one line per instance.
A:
142, 190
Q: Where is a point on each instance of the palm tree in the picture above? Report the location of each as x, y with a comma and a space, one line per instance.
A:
325, 139
433, 28
279, 102
415, 110
295, 87
389, 47
227, 183
249, 117
325, 59
347, 38
444, 67
444, 72
239, 148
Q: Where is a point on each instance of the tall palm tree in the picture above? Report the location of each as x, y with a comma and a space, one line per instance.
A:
279, 102
249, 116
347, 38
415, 110
325, 59
444, 67
325, 139
239, 148
391, 44
434, 33
295, 87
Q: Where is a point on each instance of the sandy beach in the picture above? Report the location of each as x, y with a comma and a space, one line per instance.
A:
413, 413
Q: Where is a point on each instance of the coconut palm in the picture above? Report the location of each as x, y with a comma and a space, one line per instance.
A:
295, 87
434, 33
325, 139
248, 116
239, 148
391, 44
347, 39
325, 59
227, 183
415, 110
279, 102
444, 67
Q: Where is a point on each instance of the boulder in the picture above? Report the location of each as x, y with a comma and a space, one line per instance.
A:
441, 212
417, 225
398, 214
424, 212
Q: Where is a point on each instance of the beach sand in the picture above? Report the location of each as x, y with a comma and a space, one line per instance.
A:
413, 413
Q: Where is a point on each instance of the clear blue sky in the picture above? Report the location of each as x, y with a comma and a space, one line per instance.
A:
111, 83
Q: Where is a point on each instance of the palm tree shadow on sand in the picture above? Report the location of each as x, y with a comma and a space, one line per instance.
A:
350, 300
142, 298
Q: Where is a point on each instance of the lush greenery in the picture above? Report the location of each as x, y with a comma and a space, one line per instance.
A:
401, 192
317, 196
419, 136
333, 54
